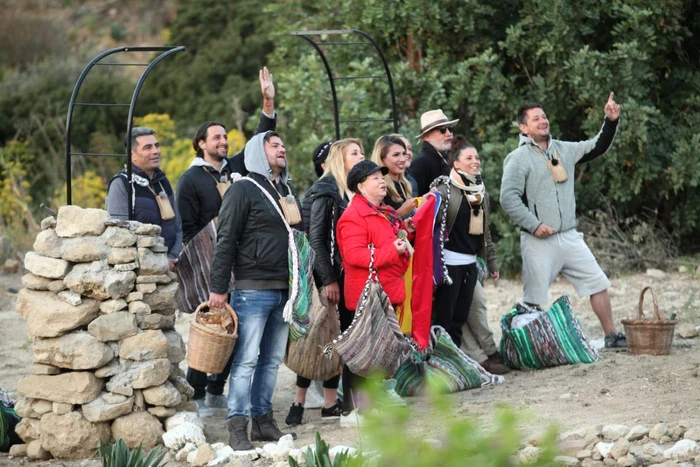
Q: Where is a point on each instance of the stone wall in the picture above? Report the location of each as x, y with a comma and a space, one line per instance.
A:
99, 302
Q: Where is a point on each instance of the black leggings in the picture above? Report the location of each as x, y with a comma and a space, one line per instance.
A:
327, 384
452, 302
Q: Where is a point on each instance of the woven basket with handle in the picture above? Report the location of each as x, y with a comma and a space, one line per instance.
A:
209, 350
649, 336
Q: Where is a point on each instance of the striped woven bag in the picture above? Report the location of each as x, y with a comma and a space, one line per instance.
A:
554, 338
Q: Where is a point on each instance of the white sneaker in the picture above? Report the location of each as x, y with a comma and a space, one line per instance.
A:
393, 398
314, 398
217, 403
352, 420
202, 408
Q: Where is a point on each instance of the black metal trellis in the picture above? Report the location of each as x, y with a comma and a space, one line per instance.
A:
166, 51
368, 41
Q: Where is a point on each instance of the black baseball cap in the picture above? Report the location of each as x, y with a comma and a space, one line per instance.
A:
320, 155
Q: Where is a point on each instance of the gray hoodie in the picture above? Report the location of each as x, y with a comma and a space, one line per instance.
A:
256, 159
530, 195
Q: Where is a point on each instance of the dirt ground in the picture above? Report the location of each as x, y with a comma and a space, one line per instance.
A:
621, 388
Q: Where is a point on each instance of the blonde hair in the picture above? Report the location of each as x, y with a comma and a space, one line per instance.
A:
335, 164
381, 149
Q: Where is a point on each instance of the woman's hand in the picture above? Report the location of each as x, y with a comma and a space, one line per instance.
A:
217, 300
400, 245
410, 225
495, 275
332, 292
408, 206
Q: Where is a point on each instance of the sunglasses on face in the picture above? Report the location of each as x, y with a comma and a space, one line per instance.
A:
443, 129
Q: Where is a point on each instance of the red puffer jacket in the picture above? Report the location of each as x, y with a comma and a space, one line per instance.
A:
359, 226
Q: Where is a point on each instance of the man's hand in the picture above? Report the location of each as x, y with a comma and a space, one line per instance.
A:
171, 263
266, 85
332, 292
495, 275
612, 109
544, 231
217, 300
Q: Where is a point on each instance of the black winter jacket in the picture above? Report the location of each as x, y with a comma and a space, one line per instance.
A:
252, 239
321, 209
427, 166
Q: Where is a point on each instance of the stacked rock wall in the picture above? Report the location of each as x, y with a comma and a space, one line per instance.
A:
99, 302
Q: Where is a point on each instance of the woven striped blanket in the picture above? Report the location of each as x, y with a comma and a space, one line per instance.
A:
554, 338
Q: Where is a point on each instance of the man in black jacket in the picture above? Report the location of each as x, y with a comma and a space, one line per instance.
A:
252, 240
431, 162
199, 193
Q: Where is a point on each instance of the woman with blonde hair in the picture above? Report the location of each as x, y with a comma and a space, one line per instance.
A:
390, 152
323, 205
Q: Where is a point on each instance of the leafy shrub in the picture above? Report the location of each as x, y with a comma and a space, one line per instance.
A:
118, 454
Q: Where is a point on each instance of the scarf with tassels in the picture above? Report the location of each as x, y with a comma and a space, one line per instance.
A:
472, 185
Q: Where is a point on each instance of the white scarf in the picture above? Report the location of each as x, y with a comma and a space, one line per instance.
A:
474, 191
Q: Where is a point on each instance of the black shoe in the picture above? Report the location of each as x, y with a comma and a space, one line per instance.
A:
265, 429
615, 341
332, 413
296, 412
238, 439
496, 357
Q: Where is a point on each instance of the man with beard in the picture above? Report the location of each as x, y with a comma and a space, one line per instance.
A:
436, 132
537, 192
199, 193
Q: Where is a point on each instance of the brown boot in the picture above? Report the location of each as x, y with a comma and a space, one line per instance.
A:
494, 368
496, 358
265, 429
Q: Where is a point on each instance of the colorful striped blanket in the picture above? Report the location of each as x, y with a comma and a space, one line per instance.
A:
554, 338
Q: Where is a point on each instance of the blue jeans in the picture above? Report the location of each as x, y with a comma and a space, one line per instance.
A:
262, 342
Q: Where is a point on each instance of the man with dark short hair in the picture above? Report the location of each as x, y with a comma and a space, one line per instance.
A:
436, 133
153, 200
537, 192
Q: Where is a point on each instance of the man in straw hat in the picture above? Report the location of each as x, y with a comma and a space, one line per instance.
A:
537, 192
436, 132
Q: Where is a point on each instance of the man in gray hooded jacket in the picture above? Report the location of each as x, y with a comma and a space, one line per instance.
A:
537, 192
252, 241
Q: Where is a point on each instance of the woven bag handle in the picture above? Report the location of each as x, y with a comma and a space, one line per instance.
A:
640, 313
205, 306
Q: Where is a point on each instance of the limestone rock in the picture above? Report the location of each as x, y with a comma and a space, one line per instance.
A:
71, 436
565, 460
111, 306
48, 317
77, 387
33, 282
637, 432
659, 430
101, 410
183, 387
18, 450
134, 296
88, 279
159, 249
159, 279
163, 299
117, 237
146, 288
41, 406
604, 449
36, 452
620, 448
57, 286
39, 369
110, 370
85, 249
687, 330
181, 418
139, 308
165, 395
627, 461
48, 223
139, 375
684, 450
179, 436
23, 407
75, 351
114, 326
119, 284
126, 267
28, 429
144, 346
148, 229
60, 408
656, 273
73, 221
652, 449
122, 255
110, 398
138, 428
529, 455
47, 243
176, 346
615, 432
139, 401
69, 297
156, 321
146, 242
693, 433
162, 412
202, 456
44, 266
182, 453
152, 263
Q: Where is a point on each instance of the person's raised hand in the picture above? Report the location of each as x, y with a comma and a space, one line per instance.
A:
544, 231
267, 86
612, 108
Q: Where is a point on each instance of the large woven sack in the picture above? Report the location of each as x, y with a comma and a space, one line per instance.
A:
374, 342
554, 338
305, 355
8, 421
442, 366
301, 259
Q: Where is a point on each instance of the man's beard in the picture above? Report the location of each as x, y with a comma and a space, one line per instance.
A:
443, 147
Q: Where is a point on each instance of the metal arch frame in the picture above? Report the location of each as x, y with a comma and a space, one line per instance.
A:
167, 51
336, 111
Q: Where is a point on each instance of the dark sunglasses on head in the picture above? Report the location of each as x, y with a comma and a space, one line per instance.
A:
443, 129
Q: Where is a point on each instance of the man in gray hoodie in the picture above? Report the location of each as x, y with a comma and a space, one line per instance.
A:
537, 192
252, 241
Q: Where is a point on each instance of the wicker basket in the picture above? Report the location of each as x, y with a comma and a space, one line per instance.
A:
649, 336
209, 350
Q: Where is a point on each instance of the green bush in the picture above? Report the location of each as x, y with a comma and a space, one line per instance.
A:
118, 454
